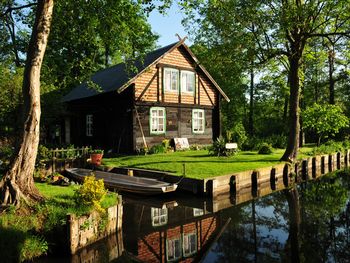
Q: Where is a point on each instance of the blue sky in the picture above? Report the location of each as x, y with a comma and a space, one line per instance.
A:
168, 25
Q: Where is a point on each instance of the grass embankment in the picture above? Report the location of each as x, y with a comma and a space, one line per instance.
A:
27, 233
199, 164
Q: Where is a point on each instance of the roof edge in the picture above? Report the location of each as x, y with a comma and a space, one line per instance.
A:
127, 84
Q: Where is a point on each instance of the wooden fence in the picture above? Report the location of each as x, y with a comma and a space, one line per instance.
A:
60, 159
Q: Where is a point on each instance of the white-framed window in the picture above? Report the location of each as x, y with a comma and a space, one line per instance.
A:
189, 244
173, 248
157, 120
198, 121
198, 212
171, 80
159, 216
188, 81
89, 125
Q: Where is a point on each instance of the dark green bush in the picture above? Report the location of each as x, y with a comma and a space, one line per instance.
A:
6, 152
265, 148
158, 148
218, 148
44, 153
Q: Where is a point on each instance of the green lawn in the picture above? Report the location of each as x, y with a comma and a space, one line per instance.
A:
198, 163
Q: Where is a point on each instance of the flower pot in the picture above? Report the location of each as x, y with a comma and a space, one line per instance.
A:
96, 158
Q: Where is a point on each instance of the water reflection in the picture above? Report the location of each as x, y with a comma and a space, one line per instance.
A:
308, 222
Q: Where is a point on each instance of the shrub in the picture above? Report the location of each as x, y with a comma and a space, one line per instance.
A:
265, 148
158, 148
33, 247
237, 134
43, 153
218, 148
277, 141
91, 193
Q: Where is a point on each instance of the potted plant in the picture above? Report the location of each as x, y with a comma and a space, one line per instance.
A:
96, 156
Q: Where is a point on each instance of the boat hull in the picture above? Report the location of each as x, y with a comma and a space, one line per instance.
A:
125, 183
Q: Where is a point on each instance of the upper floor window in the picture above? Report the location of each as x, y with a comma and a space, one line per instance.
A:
188, 81
157, 120
173, 248
89, 124
198, 121
171, 79
189, 244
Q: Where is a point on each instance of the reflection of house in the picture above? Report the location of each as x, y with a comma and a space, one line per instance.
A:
180, 234
172, 95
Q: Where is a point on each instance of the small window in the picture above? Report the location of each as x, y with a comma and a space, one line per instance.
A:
198, 121
171, 80
173, 249
89, 123
157, 120
159, 216
187, 81
198, 212
189, 244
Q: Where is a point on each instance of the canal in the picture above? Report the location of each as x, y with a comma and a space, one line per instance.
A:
308, 222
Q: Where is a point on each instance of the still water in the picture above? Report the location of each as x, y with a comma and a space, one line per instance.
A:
305, 223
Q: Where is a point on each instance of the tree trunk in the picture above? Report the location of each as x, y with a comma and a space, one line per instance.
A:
251, 103
18, 182
293, 139
331, 55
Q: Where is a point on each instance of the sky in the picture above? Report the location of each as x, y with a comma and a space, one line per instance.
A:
166, 26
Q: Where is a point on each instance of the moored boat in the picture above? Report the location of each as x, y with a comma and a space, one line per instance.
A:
125, 183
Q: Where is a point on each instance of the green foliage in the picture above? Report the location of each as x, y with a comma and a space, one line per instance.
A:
219, 148
91, 193
237, 134
325, 120
43, 153
97, 151
265, 148
329, 147
34, 246
158, 148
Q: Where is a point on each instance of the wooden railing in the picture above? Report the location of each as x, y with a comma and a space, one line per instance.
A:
69, 153
66, 158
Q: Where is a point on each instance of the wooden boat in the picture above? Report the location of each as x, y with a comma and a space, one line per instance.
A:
125, 183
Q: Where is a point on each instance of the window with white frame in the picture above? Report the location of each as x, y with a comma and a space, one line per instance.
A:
157, 120
198, 121
189, 244
89, 124
171, 79
159, 216
173, 248
198, 212
187, 81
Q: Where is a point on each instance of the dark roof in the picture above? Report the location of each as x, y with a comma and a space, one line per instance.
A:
111, 79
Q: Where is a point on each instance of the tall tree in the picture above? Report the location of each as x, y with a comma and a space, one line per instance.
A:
18, 182
282, 29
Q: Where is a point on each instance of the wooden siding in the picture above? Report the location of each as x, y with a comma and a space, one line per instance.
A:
149, 85
178, 124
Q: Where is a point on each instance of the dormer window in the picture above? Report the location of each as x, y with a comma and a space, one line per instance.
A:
171, 79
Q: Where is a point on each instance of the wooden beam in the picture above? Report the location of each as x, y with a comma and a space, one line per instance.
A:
211, 101
158, 91
147, 86
172, 104
162, 65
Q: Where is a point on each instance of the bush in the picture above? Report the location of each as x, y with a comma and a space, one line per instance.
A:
43, 153
265, 148
158, 148
91, 193
329, 147
237, 134
218, 148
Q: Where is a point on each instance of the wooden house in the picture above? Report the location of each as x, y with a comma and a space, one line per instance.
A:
170, 96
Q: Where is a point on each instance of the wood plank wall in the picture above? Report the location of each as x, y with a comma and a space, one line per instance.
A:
149, 85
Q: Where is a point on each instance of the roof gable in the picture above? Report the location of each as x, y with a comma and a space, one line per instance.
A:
117, 78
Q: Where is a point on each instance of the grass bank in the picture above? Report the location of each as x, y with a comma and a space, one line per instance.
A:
199, 164
31, 232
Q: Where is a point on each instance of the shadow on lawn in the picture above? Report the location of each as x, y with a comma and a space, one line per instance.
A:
11, 242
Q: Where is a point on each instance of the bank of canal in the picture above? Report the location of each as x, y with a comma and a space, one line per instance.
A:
305, 222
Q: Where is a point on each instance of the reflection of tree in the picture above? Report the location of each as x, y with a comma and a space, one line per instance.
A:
305, 223
292, 246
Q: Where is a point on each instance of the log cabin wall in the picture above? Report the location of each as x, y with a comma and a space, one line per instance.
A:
149, 92
112, 117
